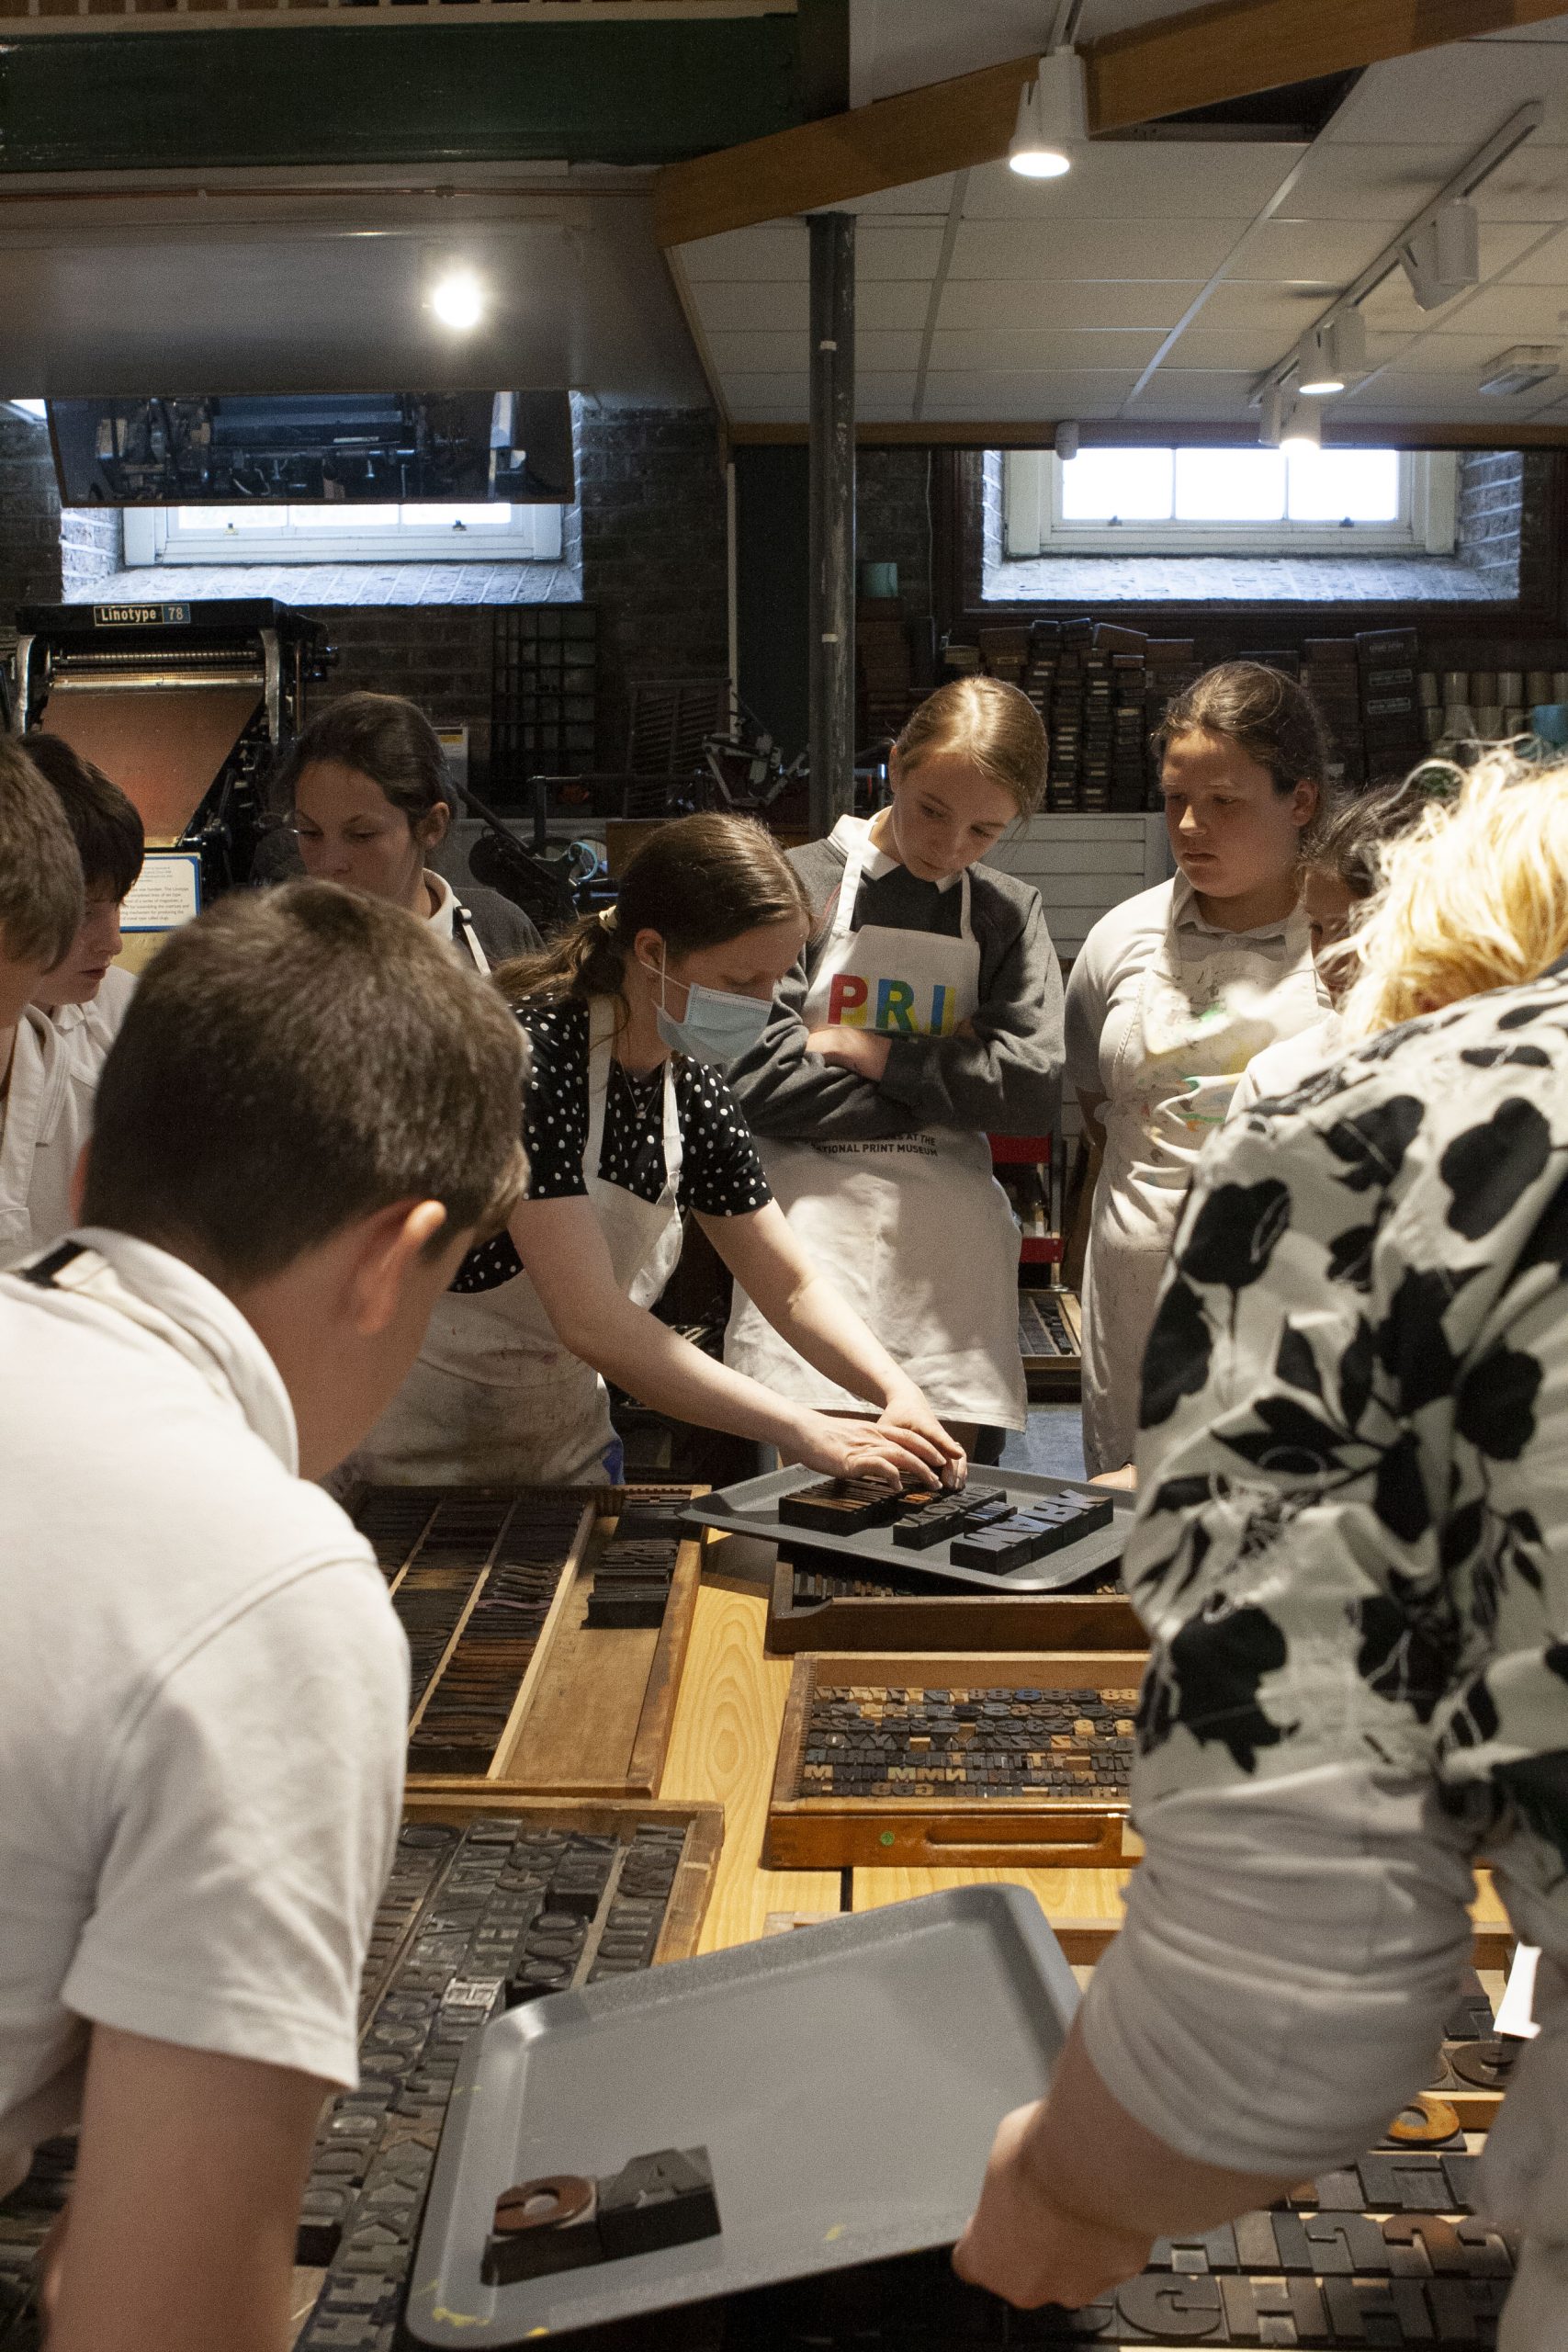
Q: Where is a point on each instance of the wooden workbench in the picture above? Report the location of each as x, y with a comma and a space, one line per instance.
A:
722, 1751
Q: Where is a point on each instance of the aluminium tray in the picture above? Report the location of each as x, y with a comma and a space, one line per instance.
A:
846, 2082
751, 1508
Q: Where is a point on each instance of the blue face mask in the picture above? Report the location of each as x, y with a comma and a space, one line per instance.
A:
716, 1029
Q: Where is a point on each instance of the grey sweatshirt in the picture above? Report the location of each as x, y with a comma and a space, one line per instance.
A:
1005, 1079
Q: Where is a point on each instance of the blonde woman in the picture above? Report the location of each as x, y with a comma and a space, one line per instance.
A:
1351, 1554
924, 1015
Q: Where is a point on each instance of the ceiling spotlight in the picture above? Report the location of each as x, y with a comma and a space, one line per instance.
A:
1522, 369
1317, 374
1051, 118
1442, 259
1272, 430
457, 296
1304, 430
1067, 442
1328, 355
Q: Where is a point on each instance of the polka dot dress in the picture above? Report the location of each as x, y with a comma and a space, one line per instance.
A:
720, 1175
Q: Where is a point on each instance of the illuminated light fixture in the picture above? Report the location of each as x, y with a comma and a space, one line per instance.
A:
1052, 120
1444, 258
455, 294
1328, 355
1521, 370
1317, 375
1303, 431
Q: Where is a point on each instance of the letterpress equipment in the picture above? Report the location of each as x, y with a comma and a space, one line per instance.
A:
562, 2222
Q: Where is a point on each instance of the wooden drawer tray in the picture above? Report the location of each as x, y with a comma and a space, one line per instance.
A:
891, 1760
810, 1610
470, 1876
512, 1686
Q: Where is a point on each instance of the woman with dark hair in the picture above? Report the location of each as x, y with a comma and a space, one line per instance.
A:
366, 791
631, 1018
1174, 992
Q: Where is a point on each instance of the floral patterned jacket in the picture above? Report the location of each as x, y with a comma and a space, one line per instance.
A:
1351, 1552
1353, 1530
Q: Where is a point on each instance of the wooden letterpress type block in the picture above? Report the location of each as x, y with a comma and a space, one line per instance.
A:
1257, 2248
1206, 2250
1333, 2192
1295, 2253
658, 2200
1273, 2310
1460, 2174
542, 2226
1488, 2254
1346, 2244
838, 1507
927, 1530
1168, 2304
1401, 2184
1362, 2311
995, 1549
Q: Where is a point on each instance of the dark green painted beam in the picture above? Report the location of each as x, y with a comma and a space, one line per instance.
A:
423, 93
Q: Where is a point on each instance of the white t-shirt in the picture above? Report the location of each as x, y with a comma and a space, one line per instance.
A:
47, 1113
203, 1694
443, 922
1288, 1063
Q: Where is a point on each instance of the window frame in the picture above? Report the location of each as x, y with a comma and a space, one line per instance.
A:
1033, 524
154, 536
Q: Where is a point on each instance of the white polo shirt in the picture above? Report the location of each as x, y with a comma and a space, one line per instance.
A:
203, 1694
46, 1114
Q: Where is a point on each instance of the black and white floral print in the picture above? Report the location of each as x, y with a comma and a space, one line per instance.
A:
1352, 1538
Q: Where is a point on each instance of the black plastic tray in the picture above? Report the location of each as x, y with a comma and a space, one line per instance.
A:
751, 1508
846, 2082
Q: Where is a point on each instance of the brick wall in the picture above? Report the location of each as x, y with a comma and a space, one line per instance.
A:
654, 551
438, 655
894, 512
29, 518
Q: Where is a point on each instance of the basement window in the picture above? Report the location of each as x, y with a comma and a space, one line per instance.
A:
1206, 501
343, 533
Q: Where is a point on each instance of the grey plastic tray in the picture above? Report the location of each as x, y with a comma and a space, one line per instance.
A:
846, 2080
751, 1508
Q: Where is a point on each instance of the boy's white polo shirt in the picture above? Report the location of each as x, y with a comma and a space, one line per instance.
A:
203, 1694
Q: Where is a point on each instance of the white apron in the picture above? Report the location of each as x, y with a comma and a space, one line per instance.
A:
1206, 1005
452, 921
915, 1232
495, 1397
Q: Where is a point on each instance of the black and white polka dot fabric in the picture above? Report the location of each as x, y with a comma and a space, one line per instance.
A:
720, 1176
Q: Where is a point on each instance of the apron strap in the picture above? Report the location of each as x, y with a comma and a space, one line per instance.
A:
600, 1054
463, 919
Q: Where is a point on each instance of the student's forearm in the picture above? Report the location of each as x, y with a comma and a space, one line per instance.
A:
659, 1368
820, 1325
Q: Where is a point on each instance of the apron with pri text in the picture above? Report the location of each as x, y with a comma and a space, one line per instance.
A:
914, 1231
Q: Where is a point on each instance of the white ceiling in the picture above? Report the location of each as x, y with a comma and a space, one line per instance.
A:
992, 298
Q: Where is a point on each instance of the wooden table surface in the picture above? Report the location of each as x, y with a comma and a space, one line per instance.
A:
722, 1751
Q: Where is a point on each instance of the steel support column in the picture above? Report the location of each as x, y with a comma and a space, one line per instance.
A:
833, 549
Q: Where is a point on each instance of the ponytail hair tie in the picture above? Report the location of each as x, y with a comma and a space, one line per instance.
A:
607, 917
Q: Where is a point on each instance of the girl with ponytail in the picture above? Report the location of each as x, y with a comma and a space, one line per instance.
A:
631, 1018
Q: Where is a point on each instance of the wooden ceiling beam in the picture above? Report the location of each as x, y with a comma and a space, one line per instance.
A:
1236, 48
1204, 57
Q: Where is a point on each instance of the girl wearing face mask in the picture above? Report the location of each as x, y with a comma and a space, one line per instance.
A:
924, 1015
631, 1018
366, 786
1175, 990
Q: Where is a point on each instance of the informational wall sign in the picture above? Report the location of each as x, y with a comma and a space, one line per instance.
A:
167, 894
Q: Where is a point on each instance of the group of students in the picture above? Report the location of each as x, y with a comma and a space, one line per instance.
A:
307, 1236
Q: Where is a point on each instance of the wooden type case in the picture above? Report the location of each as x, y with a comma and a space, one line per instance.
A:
956, 1829
944, 1620
592, 1712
